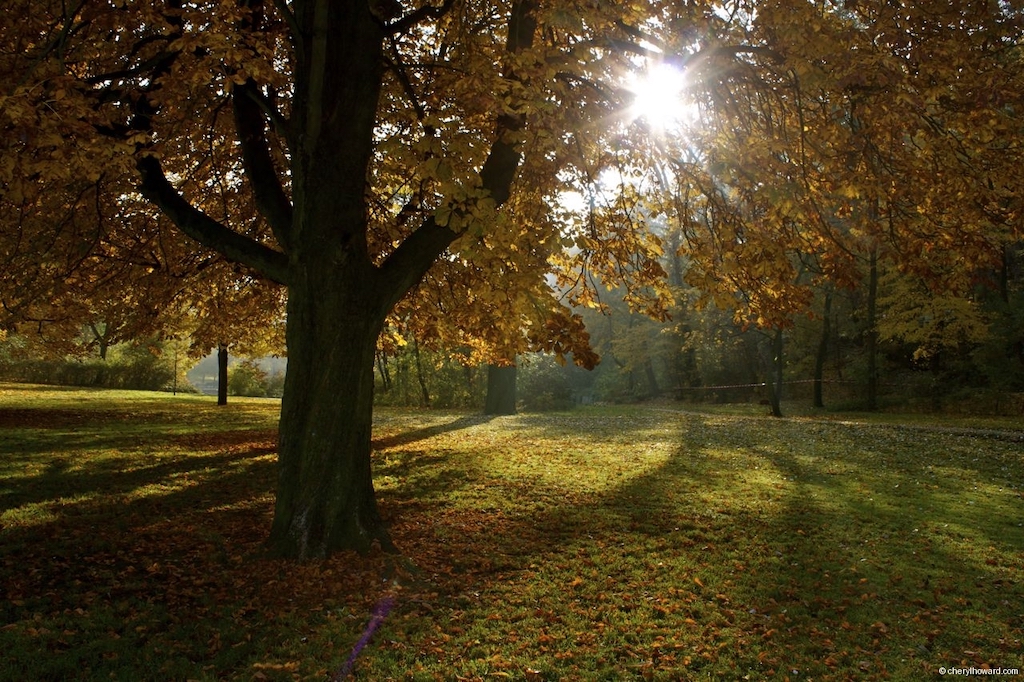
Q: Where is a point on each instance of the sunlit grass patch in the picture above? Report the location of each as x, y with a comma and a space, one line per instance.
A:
605, 543
675, 546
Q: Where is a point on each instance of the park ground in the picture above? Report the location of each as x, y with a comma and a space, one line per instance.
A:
604, 543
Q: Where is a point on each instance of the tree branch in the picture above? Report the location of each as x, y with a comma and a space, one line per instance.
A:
279, 122
204, 229
425, 12
410, 261
407, 264
271, 198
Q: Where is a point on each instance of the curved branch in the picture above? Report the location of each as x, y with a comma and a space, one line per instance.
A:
425, 12
407, 264
271, 198
278, 121
410, 261
154, 186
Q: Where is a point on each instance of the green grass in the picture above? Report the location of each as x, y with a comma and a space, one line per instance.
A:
600, 544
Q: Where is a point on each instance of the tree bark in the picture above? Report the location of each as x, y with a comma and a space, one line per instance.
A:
222, 374
325, 495
871, 340
822, 354
501, 390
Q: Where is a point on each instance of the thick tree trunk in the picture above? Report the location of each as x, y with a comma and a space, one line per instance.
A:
325, 495
338, 296
339, 290
222, 374
501, 390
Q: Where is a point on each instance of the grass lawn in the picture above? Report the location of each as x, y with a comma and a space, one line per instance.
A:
599, 544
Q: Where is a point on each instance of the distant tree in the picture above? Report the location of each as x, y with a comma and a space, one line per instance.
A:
501, 390
247, 378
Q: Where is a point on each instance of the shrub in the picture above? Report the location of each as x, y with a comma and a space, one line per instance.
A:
247, 378
544, 385
135, 366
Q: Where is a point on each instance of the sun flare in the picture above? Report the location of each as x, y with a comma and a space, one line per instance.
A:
659, 97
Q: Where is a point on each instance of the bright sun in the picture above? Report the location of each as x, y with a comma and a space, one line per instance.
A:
659, 98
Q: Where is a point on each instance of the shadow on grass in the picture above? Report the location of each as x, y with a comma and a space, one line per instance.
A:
67, 477
792, 562
143, 579
416, 435
744, 556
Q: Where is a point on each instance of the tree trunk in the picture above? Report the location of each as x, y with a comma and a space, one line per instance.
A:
325, 495
424, 392
339, 291
775, 377
871, 340
222, 374
385, 373
822, 355
102, 339
653, 390
501, 390
771, 365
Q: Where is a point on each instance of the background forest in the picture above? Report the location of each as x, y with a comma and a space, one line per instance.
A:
935, 352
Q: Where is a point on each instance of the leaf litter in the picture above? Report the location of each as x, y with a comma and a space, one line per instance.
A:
602, 543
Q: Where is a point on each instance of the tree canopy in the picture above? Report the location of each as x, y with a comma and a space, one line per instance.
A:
371, 155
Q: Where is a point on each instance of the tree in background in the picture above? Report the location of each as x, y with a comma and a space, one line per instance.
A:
884, 138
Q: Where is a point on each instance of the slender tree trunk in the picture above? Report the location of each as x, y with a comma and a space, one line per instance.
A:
222, 374
501, 390
102, 339
652, 380
385, 373
325, 495
822, 355
775, 376
871, 340
424, 392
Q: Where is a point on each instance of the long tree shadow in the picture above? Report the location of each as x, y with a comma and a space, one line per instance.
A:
765, 551
28, 432
415, 435
726, 537
66, 477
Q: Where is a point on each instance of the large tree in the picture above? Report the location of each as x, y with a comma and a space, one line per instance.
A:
344, 148
338, 148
